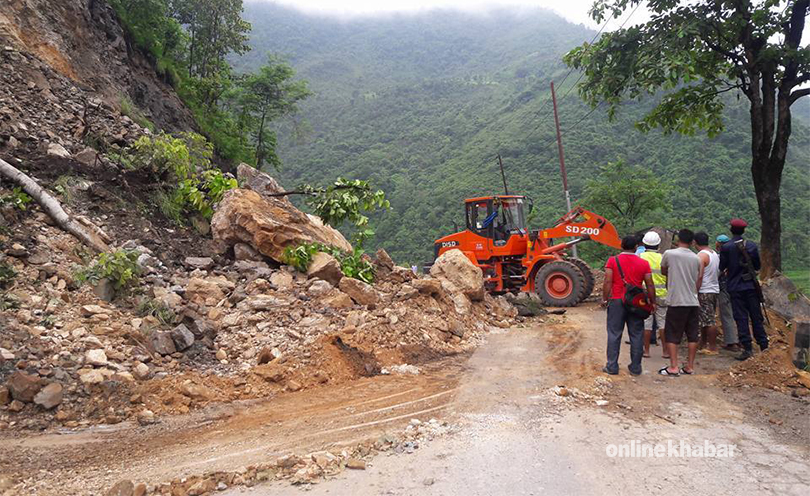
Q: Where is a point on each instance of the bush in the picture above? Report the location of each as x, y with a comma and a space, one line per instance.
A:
159, 310
17, 199
7, 275
121, 267
130, 110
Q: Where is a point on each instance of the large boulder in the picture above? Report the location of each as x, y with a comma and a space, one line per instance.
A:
269, 224
459, 275
23, 387
325, 266
784, 298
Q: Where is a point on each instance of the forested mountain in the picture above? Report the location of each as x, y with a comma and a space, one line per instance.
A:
421, 104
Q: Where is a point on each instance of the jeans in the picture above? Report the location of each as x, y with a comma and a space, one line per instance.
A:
727, 318
745, 305
617, 319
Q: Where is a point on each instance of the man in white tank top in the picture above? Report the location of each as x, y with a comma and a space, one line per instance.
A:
708, 294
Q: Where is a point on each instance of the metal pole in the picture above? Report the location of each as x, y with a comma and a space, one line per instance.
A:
503, 176
562, 158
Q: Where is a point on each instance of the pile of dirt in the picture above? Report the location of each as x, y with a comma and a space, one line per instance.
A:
773, 368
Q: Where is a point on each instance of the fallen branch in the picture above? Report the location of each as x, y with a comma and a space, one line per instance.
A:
91, 236
665, 418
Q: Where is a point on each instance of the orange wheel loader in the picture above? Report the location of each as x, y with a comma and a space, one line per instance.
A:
513, 259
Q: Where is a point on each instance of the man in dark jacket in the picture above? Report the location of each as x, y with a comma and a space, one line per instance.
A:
740, 271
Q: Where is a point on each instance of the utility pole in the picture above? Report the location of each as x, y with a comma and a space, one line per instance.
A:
562, 158
503, 176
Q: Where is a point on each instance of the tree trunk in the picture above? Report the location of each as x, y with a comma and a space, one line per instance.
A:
90, 235
770, 213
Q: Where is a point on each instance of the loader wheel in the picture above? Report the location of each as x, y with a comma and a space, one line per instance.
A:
587, 274
560, 284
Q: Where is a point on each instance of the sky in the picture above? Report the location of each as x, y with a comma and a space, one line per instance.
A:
575, 11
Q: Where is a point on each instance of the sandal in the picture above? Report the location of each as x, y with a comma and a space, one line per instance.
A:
665, 371
683, 371
707, 351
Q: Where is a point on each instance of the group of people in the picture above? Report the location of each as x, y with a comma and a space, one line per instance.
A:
684, 290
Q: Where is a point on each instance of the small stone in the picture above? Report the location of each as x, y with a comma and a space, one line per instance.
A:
5, 396
183, 338
57, 150
282, 280
50, 396
601, 402
162, 342
293, 386
325, 266
105, 290
91, 310
141, 371
242, 251
146, 417
359, 291
319, 287
221, 354
91, 376
23, 387
17, 251
16, 406
201, 487
202, 263
122, 488
87, 156
96, 358
266, 356
6, 355
355, 464
139, 490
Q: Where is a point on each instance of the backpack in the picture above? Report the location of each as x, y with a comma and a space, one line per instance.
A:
635, 298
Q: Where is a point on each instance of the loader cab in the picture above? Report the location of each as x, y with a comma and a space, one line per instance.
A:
496, 217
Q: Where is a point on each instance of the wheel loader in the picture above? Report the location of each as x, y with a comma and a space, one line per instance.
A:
513, 259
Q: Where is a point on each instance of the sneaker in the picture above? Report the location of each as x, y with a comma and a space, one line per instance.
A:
745, 355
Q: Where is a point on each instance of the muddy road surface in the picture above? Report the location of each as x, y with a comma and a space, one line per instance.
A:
518, 432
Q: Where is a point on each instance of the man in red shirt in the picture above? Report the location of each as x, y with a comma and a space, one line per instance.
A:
636, 271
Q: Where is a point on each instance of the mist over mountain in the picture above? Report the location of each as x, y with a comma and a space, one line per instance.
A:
421, 104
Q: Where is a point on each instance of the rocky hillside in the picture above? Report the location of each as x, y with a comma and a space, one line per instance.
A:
212, 315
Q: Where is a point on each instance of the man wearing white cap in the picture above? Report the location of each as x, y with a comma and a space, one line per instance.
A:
651, 241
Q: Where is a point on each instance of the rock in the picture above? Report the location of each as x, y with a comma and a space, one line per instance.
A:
259, 303
23, 387
91, 376
325, 266
462, 303
39, 257
105, 290
205, 292
282, 280
293, 386
140, 489
50, 396
141, 371
338, 299
146, 417
243, 251
384, 260
319, 287
6, 483
57, 150
784, 298
87, 156
359, 291
183, 338
406, 292
162, 342
355, 464
201, 224
253, 179
194, 391
202, 263
221, 354
427, 286
6, 355
91, 310
269, 372
96, 358
462, 275
269, 225
5, 396
203, 486
16, 406
17, 251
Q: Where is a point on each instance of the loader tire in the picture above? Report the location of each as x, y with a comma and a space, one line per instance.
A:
560, 284
587, 273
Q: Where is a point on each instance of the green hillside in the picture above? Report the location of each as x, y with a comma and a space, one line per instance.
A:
421, 105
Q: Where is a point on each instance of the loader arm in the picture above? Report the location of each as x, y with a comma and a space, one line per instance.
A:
583, 224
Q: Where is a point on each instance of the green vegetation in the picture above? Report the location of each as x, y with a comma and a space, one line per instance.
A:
17, 199
130, 110
419, 105
686, 57
801, 278
120, 267
151, 307
189, 42
7, 275
353, 264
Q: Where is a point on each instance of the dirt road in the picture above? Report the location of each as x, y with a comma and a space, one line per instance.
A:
517, 435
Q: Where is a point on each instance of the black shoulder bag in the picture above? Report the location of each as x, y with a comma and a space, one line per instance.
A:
635, 298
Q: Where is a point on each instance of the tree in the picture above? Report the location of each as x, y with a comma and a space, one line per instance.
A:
266, 96
694, 51
627, 195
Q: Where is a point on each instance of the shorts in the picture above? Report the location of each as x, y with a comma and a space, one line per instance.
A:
660, 314
708, 309
680, 321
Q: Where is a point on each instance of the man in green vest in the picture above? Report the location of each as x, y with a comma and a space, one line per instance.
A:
651, 243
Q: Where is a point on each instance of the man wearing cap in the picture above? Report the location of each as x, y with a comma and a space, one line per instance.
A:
740, 276
651, 241
730, 341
